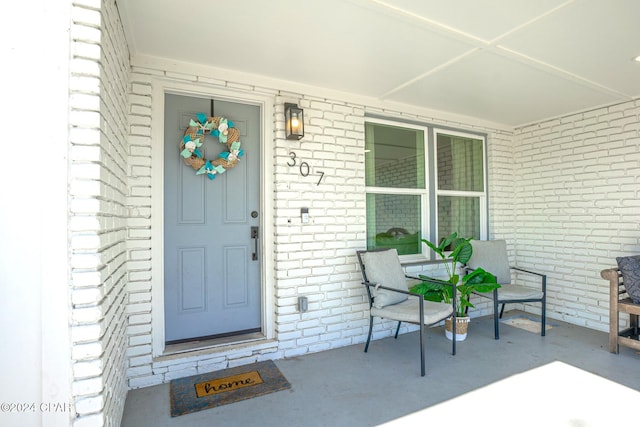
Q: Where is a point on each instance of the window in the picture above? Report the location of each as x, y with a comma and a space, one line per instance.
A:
422, 183
461, 202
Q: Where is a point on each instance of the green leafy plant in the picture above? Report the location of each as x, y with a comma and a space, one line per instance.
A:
455, 251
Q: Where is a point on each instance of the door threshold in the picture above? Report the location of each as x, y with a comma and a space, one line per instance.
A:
207, 345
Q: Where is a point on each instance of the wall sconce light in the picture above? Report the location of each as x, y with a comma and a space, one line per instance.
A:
293, 121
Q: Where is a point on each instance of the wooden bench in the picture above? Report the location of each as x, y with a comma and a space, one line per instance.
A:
619, 302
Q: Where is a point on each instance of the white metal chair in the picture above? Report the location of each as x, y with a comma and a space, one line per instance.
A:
389, 297
491, 255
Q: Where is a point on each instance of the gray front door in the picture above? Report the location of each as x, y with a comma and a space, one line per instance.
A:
211, 264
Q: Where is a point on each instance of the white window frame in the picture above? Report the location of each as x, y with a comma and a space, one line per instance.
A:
429, 226
482, 195
423, 193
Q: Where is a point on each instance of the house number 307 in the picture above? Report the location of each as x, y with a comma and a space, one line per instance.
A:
304, 167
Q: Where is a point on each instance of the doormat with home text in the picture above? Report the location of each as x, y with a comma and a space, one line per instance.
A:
213, 389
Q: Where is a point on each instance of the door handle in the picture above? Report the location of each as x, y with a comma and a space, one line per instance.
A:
254, 236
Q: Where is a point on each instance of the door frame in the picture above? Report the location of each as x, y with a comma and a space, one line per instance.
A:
160, 87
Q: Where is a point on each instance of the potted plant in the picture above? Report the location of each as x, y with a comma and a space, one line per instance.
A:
455, 251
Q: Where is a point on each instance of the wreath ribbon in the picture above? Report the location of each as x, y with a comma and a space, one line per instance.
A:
193, 139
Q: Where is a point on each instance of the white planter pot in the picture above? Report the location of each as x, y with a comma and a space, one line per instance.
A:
462, 324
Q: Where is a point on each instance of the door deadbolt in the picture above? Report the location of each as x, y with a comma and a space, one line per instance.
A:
254, 214
255, 237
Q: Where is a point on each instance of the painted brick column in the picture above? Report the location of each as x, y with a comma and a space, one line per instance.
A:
99, 75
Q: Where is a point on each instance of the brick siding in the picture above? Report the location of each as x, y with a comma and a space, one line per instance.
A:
316, 260
577, 205
99, 154
563, 192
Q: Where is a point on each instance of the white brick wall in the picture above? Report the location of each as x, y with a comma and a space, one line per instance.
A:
561, 179
316, 260
577, 205
551, 179
564, 192
139, 234
99, 73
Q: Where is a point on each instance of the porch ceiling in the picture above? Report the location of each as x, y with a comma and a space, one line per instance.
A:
507, 61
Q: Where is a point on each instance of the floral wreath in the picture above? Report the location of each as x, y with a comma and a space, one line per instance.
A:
194, 136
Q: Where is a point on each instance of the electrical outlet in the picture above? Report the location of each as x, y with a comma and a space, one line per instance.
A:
303, 304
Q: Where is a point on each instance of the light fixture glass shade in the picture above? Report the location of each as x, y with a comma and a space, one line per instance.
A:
294, 121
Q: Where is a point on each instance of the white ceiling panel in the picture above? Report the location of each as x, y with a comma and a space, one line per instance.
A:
486, 20
599, 45
502, 89
507, 61
329, 43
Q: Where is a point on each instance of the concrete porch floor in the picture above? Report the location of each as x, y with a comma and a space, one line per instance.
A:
347, 387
